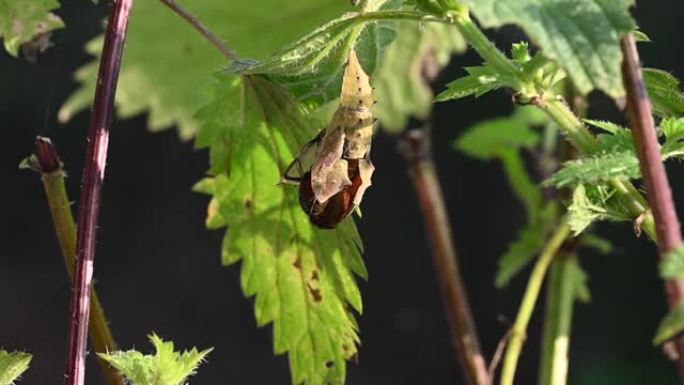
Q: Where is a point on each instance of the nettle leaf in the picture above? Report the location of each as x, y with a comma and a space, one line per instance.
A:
165, 367
22, 21
479, 81
667, 99
12, 365
312, 66
673, 129
529, 243
402, 83
672, 266
671, 325
592, 203
486, 140
301, 276
596, 169
583, 36
167, 64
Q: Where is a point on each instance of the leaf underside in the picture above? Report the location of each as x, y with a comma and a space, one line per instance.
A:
301, 277
581, 35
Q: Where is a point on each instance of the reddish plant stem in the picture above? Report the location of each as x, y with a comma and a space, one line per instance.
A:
201, 28
415, 148
91, 188
658, 189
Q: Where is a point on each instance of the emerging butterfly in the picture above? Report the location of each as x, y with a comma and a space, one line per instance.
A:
334, 169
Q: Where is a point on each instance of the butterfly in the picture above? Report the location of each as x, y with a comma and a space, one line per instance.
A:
334, 169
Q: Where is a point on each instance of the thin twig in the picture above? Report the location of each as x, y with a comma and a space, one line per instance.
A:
415, 148
201, 28
659, 193
91, 188
48, 164
534, 284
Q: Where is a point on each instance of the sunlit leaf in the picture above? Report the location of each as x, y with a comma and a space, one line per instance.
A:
479, 81
12, 365
21, 21
301, 277
596, 169
165, 367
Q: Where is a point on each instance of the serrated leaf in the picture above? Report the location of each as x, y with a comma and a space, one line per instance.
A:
167, 64
487, 139
673, 129
402, 84
165, 367
311, 67
596, 169
583, 36
666, 97
671, 325
21, 21
592, 203
302, 277
672, 266
609, 127
12, 365
479, 81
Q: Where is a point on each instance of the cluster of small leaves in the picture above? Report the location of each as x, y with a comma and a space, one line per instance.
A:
582, 36
22, 22
165, 367
12, 365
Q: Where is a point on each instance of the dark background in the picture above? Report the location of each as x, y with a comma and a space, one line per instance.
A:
159, 270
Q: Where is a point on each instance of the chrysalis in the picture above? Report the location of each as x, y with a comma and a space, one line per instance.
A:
333, 170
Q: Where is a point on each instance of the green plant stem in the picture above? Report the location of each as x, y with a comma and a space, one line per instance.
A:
560, 299
52, 175
534, 284
519, 179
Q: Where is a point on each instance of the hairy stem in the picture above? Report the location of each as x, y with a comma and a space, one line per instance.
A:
52, 174
560, 298
658, 189
91, 188
534, 284
415, 148
202, 29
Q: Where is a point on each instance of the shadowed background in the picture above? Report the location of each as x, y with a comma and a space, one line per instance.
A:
159, 270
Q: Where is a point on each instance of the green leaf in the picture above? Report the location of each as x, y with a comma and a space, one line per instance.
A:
578, 278
402, 83
12, 365
606, 126
301, 276
592, 203
667, 99
167, 64
479, 81
672, 266
596, 169
520, 253
486, 140
312, 66
583, 36
671, 325
673, 129
599, 244
21, 21
165, 367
